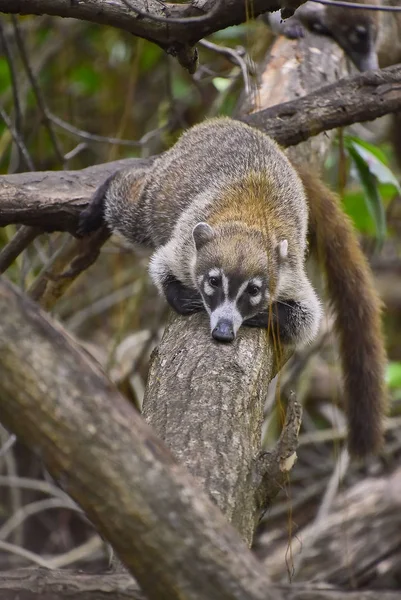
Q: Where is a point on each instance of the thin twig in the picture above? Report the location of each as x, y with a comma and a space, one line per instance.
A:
91, 136
7, 445
37, 91
17, 139
345, 4
82, 552
24, 236
23, 513
235, 57
13, 76
31, 556
33, 484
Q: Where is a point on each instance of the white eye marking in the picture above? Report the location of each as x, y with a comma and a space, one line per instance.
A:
361, 28
254, 300
256, 281
214, 272
209, 290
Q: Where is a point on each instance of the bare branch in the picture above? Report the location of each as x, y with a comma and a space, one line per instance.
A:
174, 27
150, 509
364, 97
53, 200
21, 240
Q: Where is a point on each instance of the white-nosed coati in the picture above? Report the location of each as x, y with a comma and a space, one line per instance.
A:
371, 38
227, 215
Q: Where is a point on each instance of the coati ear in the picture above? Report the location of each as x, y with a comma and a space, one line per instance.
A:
202, 233
282, 249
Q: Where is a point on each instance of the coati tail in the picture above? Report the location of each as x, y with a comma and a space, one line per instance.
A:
357, 320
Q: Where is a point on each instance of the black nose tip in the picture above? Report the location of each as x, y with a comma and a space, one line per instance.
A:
223, 332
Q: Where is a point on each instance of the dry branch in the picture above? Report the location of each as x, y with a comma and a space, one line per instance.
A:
154, 21
167, 532
357, 543
29, 584
53, 200
156, 520
364, 97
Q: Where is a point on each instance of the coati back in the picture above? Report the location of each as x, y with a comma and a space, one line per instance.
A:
227, 215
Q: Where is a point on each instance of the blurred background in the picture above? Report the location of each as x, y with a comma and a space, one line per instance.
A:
78, 94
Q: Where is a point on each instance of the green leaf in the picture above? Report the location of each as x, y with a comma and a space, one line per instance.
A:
372, 196
221, 83
375, 150
354, 206
393, 375
376, 161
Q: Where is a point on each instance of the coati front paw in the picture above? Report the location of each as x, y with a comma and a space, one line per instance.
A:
92, 217
184, 300
291, 321
293, 29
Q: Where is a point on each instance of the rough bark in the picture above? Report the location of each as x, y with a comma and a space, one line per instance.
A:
206, 401
166, 530
188, 555
363, 97
174, 27
53, 200
39, 584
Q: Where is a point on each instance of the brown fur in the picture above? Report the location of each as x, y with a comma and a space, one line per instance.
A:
238, 181
357, 307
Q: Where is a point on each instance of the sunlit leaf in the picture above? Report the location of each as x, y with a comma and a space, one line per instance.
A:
372, 196
221, 83
376, 161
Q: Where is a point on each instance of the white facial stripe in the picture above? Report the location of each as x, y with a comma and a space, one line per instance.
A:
254, 300
241, 289
225, 285
227, 310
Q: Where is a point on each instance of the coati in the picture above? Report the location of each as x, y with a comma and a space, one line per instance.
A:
227, 215
371, 38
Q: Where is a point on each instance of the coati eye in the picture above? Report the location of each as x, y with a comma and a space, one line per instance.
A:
214, 281
252, 289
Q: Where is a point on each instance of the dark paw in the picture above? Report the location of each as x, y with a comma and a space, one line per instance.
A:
293, 30
89, 221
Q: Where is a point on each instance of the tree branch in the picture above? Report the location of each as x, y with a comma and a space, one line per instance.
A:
165, 529
53, 200
29, 584
364, 97
151, 19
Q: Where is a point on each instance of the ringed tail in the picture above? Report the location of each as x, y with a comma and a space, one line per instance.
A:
357, 308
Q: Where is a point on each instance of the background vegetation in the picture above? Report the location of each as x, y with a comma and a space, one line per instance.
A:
79, 94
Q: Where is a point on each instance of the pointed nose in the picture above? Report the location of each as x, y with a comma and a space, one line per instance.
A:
224, 331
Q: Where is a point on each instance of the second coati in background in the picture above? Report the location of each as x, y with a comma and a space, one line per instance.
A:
227, 214
371, 38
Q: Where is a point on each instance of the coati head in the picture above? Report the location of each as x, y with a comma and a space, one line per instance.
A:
236, 275
356, 31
